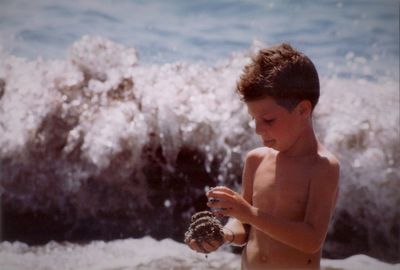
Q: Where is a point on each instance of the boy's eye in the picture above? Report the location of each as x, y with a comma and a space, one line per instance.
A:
269, 121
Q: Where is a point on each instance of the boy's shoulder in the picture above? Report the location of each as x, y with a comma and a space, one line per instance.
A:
326, 164
260, 153
326, 159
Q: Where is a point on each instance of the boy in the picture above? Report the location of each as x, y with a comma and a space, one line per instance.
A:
289, 187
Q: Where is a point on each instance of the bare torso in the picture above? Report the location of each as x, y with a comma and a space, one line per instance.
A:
281, 189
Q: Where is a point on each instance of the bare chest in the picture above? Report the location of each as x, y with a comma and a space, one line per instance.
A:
282, 189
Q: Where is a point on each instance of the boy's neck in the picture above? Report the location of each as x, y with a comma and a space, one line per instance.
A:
305, 145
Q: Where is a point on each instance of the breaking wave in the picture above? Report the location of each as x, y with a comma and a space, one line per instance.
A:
100, 146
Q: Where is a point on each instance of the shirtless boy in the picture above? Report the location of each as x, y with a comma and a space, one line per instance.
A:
289, 187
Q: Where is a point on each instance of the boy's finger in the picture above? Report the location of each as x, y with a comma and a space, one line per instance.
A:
222, 188
222, 212
219, 204
219, 195
193, 245
208, 246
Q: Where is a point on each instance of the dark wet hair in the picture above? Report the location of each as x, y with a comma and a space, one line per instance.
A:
282, 73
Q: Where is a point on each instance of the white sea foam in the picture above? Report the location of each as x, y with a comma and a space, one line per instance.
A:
145, 253
358, 121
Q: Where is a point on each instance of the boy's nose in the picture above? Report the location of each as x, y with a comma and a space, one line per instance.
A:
259, 128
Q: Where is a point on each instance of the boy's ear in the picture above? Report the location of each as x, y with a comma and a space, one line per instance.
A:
304, 108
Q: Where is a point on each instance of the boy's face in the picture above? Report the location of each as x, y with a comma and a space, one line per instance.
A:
278, 128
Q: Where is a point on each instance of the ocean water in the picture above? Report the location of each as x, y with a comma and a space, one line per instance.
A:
115, 117
342, 37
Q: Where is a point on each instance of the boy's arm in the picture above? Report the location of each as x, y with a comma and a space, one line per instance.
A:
235, 232
308, 235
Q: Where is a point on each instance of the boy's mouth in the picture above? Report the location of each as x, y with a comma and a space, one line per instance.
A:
268, 143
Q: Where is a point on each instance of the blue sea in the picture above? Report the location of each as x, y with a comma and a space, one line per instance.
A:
116, 116
332, 33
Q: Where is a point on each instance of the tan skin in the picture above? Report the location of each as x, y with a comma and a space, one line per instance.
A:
289, 191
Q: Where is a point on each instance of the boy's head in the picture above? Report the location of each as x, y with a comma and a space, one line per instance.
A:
282, 73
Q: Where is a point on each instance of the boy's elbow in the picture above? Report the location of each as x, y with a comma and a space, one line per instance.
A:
313, 246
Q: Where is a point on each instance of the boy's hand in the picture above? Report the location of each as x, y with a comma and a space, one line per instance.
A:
227, 202
205, 233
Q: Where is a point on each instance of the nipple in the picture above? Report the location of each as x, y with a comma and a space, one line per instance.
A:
264, 258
